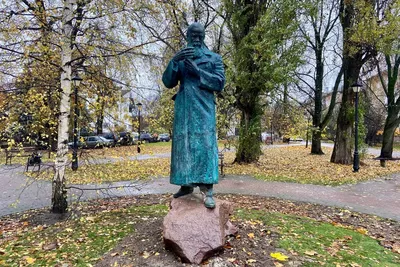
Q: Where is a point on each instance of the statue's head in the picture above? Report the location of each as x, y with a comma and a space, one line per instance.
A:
195, 35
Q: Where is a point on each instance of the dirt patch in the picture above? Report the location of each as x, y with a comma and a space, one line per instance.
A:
145, 246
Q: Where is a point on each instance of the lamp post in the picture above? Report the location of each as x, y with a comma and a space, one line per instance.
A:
356, 159
76, 80
139, 106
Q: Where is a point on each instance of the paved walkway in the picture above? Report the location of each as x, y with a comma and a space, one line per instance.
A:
378, 197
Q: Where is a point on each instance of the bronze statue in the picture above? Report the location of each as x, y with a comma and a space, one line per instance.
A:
200, 72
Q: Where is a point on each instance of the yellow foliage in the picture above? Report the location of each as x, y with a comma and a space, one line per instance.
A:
279, 256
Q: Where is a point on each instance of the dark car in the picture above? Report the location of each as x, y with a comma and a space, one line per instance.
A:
111, 137
147, 138
164, 137
125, 139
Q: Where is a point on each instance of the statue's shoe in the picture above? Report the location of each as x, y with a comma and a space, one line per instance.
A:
209, 202
184, 190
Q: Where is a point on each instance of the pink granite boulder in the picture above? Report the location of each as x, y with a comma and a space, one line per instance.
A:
194, 232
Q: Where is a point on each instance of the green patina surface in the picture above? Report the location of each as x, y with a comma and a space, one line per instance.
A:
194, 157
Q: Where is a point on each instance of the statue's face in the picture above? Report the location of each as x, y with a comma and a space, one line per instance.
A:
195, 36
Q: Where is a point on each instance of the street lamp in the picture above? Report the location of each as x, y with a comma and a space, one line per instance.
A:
356, 159
76, 80
139, 106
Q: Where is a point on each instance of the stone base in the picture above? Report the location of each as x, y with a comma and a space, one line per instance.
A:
194, 232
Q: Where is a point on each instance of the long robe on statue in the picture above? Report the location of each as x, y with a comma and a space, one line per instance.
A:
194, 157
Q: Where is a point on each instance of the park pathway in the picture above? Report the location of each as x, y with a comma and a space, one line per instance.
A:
379, 197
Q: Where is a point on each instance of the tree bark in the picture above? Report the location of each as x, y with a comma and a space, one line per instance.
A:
317, 117
59, 192
316, 148
249, 149
392, 119
388, 135
354, 56
342, 150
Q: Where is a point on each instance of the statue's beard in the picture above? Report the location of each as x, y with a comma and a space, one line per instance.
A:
198, 52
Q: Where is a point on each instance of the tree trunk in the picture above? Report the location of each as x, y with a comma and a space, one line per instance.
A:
388, 135
100, 115
392, 120
343, 142
316, 143
99, 124
59, 192
352, 63
249, 149
317, 116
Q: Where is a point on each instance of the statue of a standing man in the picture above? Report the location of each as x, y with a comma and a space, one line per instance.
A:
194, 158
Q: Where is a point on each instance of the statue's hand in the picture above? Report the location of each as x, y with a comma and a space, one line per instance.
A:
185, 53
192, 67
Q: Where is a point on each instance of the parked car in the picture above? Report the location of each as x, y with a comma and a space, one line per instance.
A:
93, 142
90, 142
107, 142
111, 137
135, 138
125, 139
146, 137
164, 137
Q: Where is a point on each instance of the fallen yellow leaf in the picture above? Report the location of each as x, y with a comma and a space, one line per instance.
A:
145, 255
250, 235
279, 256
310, 252
30, 260
362, 231
90, 219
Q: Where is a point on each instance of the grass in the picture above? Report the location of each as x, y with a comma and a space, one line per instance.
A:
127, 170
323, 243
78, 242
296, 164
82, 241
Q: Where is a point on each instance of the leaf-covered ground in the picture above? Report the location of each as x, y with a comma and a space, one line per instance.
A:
296, 164
128, 232
289, 164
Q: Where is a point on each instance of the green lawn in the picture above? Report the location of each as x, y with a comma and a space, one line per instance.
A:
323, 243
82, 241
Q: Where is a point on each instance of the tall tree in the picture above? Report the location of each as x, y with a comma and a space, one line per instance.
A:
355, 54
365, 25
59, 195
391, 88
319, 28
78, 31
265, 52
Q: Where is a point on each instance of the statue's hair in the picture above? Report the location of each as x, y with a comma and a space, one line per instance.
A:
195, 25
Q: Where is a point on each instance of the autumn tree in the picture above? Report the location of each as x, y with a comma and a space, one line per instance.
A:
265, 51
66, 36
318, 26
365, 24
